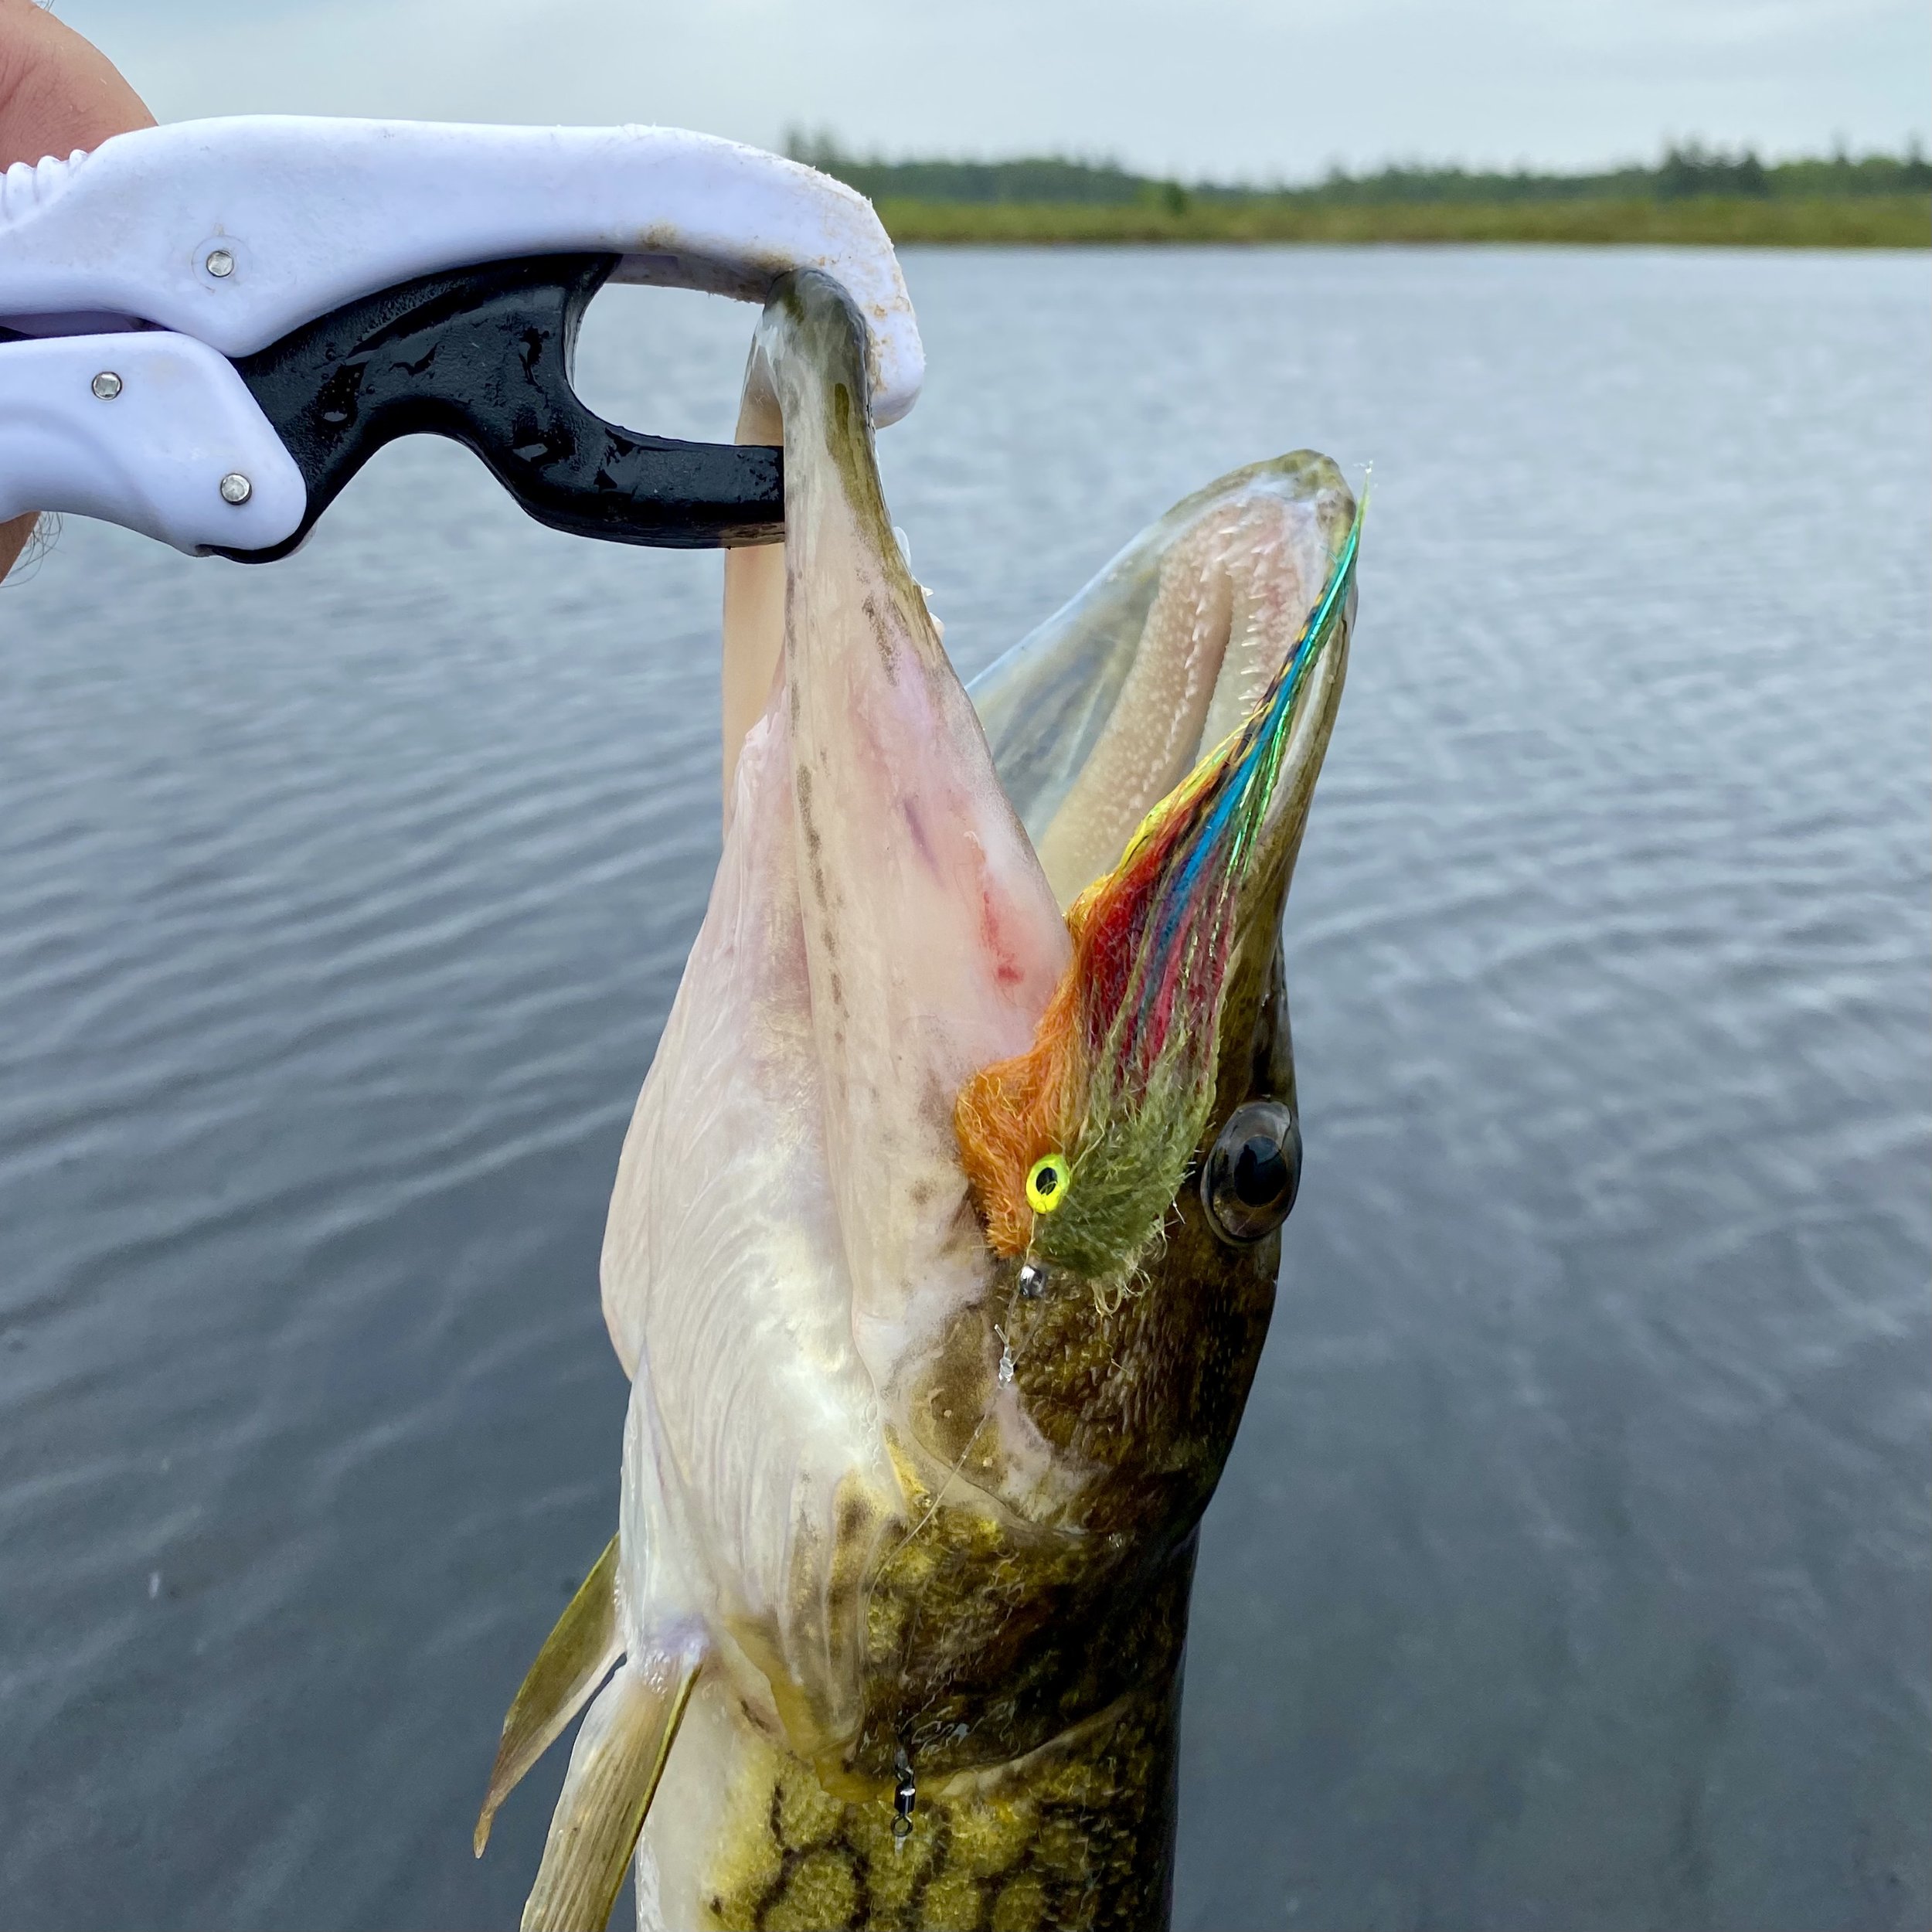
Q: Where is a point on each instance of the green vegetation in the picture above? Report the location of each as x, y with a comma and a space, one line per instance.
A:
1693, 194
1890, 221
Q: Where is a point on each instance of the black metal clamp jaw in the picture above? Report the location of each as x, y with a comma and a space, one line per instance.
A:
484, 355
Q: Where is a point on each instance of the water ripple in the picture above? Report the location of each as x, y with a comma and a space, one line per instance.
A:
1572, 1565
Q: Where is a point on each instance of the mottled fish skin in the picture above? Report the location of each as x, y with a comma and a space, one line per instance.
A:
909, 1519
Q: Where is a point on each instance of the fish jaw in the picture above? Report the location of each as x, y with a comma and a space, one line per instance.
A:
1162, 654
790, 1232
1175, 837
932, 940
753, 1425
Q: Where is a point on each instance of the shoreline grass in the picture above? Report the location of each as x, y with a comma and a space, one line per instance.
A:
1863, 221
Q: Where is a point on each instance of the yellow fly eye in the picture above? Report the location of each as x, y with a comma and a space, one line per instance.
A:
1046, 1184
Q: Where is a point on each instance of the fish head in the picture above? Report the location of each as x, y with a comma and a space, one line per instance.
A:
946, 1233
1170, 1013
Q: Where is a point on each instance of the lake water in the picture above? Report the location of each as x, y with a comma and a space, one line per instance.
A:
1574, 1565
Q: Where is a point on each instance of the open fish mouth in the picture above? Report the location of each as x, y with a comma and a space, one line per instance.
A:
938, 1275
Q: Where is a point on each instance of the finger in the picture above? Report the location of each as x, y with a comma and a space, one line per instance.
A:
58, 92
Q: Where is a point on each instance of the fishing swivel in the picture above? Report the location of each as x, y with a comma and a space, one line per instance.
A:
905, 1796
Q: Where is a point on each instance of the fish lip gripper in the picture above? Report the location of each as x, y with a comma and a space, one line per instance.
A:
206, 328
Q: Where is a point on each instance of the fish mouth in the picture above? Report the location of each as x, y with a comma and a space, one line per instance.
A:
1164, 733
1157, 743
1121, 698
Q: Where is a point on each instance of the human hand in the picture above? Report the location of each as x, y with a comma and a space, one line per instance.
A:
58, 92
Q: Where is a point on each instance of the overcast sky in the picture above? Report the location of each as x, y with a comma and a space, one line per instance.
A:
1258, 89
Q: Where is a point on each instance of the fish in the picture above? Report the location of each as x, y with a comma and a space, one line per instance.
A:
945, 1235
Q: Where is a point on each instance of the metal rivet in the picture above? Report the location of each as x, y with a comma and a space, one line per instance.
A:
236, 487
220, 262
107, 386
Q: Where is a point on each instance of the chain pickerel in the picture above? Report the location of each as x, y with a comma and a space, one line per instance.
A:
945, 1237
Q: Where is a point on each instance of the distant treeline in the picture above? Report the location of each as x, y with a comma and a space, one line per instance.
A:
1694, 195
1686, 171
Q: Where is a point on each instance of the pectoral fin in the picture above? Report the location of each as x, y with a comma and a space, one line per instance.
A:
614, 1768
576, 1657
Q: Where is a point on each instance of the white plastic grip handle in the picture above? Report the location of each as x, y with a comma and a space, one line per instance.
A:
148, 429
297, 216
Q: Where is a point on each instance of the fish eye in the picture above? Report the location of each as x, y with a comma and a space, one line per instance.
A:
1046, 1183
1252, 1171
